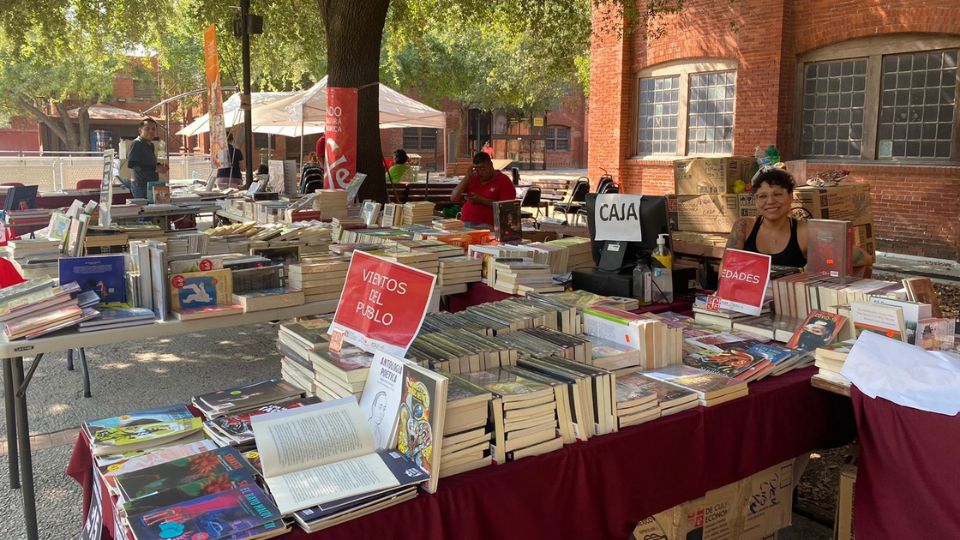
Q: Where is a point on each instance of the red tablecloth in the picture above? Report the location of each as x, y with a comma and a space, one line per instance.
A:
907, 475
477, 293
601, 488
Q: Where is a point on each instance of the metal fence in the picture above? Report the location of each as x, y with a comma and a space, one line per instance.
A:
58, 173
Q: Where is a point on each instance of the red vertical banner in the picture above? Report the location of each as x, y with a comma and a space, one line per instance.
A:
341, 134
218, 132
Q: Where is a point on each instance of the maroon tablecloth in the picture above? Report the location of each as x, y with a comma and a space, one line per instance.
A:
601, 488
477, 293
907, 475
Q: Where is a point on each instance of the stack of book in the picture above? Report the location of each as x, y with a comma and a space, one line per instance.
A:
588, 403
671, 399
337, 375
797, 294
541, 342
37, 307
710, 388
579, 254
448, 224
466, 435
247, 397
457, 270
777, 327
31, 252
421, 260
118, 318
830, 360
331, 203
275, 298
319, 278
520, 277
236, 430
658, 339
524, 413
125, 441
417, 213
637, 402
459, 350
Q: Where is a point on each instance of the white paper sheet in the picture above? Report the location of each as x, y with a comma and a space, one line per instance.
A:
905, 374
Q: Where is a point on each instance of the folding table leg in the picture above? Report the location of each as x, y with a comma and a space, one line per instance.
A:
9, 391
26, 459
70, 360
86, 373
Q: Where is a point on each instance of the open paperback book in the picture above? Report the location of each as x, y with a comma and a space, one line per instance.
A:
325, 452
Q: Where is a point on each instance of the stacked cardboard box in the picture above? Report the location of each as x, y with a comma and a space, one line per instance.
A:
713, 176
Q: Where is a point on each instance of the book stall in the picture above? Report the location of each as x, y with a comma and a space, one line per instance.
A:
405, 407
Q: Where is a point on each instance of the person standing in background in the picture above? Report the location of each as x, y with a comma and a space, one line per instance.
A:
230, 175
322, 150
142, 159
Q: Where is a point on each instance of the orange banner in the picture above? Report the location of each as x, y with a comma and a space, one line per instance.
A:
218, 132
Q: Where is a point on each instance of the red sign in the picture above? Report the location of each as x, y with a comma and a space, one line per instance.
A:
743, 281
341, 134
383, 304
218, 133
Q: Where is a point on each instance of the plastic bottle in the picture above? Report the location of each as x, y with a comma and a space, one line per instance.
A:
642, 283
662, 263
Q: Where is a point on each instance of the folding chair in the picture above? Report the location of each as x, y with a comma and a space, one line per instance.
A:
577, 200
531, 199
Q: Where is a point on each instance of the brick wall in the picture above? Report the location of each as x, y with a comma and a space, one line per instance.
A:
915, 207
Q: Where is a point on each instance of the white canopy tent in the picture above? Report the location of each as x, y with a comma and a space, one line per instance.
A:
233, 115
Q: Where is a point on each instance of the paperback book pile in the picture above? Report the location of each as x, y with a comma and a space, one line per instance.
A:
319, 278
37, 307
235, 429
637, 401
247, 397
710, 388
448, 224
331, 203
460, 351
275, 298
466, 435
797, 294
457, 270
343, 225
579, 253
118, 318
417, 213
777, 327
830, 360
671, 398
747, 360
589, 402
539, 342
421, 260
310, 364
28, 252
524, 413
520, 277
658, 339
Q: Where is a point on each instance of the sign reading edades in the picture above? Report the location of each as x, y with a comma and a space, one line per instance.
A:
743, 281
383, 304
617, 217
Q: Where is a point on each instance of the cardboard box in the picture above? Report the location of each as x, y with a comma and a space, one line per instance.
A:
843, 528
766, 501
704, 213
846, 203
698, 176
711, 517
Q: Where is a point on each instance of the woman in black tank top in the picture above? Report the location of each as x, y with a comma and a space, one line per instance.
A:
772, 231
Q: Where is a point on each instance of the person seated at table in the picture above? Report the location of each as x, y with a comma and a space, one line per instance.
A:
772, 231
399, 170
480, 188
229, 175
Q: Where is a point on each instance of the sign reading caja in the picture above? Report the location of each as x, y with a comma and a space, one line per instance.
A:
383, 304
617, 217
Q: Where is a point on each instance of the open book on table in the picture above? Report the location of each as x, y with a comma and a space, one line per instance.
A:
325, 452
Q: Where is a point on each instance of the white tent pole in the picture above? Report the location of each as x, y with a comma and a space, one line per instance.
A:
301, 142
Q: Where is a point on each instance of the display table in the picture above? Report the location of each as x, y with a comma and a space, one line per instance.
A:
907, 475
15, 381
601, 488
477, 293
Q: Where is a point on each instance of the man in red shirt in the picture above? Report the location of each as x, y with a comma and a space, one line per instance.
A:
479, 189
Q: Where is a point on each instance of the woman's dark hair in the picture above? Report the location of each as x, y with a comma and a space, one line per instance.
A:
230, 138
774, 177
481, 157
400, 156
263, 169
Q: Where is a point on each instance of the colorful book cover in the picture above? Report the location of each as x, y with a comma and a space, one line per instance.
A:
214, 516
222, 465
937, 334
830, 247
730, 363
506, 221
634, 387
774, 353
705, 384
420, 419
819, 329
504, 383
59, 228
187, 490
103, 274
110, 472
237, 426
119, 437
201, 289
912, 313
148, 416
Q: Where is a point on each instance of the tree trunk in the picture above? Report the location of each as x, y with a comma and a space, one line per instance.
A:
83, 127
68, 128
354, 35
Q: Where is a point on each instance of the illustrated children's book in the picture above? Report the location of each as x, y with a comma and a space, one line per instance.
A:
149, 416
103, 274
201, 289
